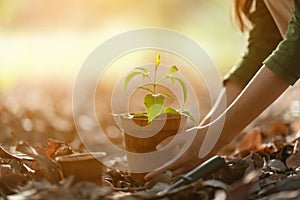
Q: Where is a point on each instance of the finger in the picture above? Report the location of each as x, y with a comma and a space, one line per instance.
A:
164, 143
184, 169
154, 173
179, 171
171, 167
176, 169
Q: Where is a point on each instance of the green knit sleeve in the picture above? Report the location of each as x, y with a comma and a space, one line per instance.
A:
285, 60
263, 39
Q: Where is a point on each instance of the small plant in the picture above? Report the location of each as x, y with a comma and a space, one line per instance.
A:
154, 101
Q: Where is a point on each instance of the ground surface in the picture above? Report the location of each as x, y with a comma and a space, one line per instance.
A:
262, 163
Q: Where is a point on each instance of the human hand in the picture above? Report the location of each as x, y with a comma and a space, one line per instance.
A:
164, 143
189, 156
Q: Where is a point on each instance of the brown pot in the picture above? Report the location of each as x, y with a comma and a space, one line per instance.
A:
150, 138
84, 166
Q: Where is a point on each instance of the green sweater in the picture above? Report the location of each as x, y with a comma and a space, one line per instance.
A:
285, 60
263, 38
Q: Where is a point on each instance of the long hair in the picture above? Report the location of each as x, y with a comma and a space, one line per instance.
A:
240, 12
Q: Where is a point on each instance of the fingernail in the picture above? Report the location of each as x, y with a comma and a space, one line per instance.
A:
158, 147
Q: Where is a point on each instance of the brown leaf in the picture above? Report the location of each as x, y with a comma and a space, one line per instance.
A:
240, 190
276, 165
289, 184
4, 153
295, 126
272, 179
10, 183
50, 147
291, 195
250, 141
49, 168
293, 161
278, 128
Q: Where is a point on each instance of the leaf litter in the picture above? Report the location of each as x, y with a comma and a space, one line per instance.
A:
262, 163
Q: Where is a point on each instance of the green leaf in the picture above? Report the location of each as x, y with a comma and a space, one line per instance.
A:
157, 60
168, 109
154, 111
188, 114
145, 70
173, 79
167, 95
147, 89
153, 104
183, 87
150, 100
129, 77
173, 70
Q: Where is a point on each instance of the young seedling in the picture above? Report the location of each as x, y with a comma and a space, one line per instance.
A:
154, 101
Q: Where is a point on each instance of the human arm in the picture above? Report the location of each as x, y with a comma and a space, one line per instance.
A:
263, 38
266, 86
232, 90
263, 89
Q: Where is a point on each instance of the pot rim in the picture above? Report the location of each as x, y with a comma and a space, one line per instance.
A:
162, 116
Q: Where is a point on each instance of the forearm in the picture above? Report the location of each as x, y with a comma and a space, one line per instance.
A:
262, 90
233, 89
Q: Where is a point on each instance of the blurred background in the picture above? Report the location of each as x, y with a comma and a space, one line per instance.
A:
53, 38
44, 43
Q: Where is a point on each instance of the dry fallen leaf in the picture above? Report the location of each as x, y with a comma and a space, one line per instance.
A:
240, 190
49, 168
278, 128
293, 161
250, 141
276, 165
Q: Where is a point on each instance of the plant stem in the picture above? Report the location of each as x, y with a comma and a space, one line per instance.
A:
154, 82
